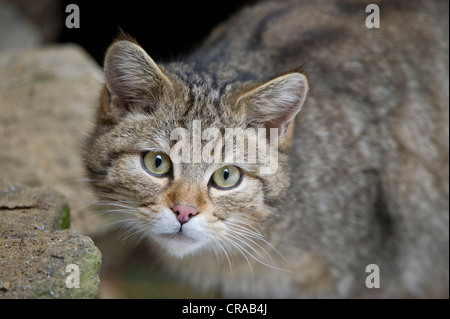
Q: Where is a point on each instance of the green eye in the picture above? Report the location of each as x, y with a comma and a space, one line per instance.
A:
157, 163
226, 177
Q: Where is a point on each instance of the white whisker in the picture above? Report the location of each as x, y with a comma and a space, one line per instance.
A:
249, 235
252, 241
241, 239
244, 231
225, 252
238, 221
239, 248
260, 261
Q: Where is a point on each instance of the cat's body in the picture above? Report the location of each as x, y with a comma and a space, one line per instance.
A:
368, 163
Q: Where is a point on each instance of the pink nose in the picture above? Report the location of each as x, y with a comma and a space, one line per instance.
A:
184, 212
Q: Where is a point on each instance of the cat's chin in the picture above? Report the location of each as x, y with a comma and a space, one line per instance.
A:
178, 244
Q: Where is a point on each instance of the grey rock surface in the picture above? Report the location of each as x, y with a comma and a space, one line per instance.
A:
48, 98
29, 23
39, 258
16, 30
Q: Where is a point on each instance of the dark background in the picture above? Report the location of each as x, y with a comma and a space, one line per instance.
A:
165, 29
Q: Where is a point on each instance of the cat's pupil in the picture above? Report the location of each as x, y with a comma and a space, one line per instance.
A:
158, 161
226, 173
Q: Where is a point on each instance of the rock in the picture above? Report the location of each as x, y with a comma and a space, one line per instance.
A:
39, 258
26, 24
21, 207
48, 97
46, 15
16, 31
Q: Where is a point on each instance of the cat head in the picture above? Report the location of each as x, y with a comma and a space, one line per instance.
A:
166, 146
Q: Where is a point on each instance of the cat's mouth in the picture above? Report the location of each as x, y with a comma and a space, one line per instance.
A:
179, 237
179, 244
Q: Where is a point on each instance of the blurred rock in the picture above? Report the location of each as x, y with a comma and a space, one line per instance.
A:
35, 252
48, 98
16, 30
46, 15
29, 23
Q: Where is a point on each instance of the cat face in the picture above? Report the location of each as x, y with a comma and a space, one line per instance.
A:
161, 154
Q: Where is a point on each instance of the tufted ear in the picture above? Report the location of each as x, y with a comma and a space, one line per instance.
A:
131, 77
276, 103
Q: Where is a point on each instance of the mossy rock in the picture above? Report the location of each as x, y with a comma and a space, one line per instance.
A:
39, 258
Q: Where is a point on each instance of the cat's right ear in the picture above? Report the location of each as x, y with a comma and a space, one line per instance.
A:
275, 103
132, 78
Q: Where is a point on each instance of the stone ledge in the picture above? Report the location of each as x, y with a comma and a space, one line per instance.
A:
35, 249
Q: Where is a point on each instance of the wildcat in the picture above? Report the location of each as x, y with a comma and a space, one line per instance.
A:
362, 177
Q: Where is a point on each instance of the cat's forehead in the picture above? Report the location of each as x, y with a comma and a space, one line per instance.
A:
191, 112
214, 77
202, 98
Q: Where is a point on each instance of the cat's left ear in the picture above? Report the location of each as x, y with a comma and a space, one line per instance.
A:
276, 103
131, 77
